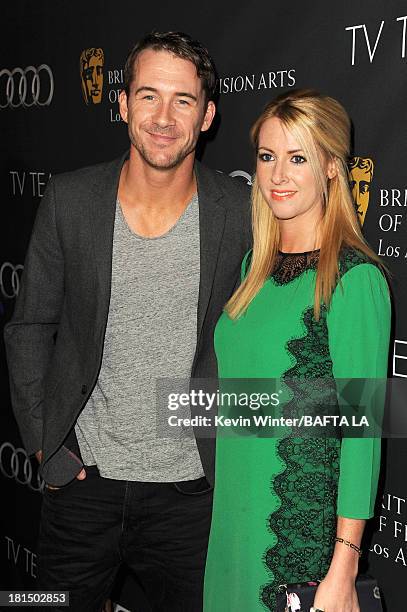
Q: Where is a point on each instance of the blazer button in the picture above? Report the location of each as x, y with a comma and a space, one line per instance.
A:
84, 389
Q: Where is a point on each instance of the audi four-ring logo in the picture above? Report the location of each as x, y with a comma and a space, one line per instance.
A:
10, 280
25, 87
14, 463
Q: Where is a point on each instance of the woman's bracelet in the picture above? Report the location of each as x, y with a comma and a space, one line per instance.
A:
347, 543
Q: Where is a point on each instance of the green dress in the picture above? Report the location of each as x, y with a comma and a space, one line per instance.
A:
276, 499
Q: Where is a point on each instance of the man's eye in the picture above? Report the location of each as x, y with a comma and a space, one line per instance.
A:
148, 97
298, 159
265, 157
183, 102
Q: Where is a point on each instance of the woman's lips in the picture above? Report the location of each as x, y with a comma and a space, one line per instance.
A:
281, 196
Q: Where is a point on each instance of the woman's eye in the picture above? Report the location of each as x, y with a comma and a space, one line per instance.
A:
266, 157
298, 159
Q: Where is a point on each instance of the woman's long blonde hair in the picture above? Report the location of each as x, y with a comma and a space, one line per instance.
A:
322, 127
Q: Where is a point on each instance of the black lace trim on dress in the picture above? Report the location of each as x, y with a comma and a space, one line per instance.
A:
289, 266
305, 522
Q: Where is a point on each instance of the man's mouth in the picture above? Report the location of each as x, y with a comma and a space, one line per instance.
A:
162, 138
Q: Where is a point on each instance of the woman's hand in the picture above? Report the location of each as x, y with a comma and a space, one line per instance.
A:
337, 591
336, 594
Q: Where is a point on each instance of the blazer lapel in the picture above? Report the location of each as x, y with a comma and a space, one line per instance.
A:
212, 217
103, 209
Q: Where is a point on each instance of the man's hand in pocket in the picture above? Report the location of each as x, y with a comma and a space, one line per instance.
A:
80, 476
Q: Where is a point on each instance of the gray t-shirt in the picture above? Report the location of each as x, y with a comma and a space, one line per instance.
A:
151, 333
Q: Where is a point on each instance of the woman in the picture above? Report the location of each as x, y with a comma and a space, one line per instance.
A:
313, 305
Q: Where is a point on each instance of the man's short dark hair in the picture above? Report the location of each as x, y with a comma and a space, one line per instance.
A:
181, 45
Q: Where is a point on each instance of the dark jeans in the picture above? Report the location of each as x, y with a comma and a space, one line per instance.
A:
159, 530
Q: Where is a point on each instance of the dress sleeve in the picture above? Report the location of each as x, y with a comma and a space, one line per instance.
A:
359, 329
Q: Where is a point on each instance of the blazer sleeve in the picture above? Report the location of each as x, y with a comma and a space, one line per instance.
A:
359, 331
30, 334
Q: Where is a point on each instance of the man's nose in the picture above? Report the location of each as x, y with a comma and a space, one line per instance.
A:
163, 115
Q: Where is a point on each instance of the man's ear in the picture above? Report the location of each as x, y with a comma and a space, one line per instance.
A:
209, 115
124, 111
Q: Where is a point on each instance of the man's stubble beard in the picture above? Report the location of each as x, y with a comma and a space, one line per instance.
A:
169, 161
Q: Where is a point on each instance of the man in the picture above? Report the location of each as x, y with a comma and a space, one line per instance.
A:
128, 269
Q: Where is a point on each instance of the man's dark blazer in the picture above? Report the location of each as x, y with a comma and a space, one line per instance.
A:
55, 338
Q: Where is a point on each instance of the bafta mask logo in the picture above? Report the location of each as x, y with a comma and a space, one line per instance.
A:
361, 176
91, 71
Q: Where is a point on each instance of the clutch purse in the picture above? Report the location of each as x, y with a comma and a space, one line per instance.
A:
300, 597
